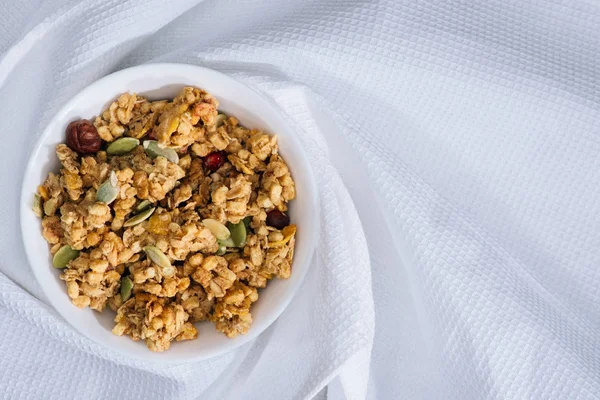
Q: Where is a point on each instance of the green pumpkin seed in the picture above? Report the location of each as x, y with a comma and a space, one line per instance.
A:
122, 146
136, 219
226, 242
159, 258
222, 250
109, 190
37, 205
50, 207
220, 120
218, 229
126, 287
238, 233
143, 206
153, 149
63, 256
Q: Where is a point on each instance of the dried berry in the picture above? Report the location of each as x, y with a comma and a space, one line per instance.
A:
82, 137
214, 161
277, 219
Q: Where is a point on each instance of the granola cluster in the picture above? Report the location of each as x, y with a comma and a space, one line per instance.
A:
178, 216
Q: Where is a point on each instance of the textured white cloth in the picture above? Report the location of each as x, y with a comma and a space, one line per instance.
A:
467, 134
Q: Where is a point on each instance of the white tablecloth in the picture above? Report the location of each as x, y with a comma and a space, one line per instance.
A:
466, 132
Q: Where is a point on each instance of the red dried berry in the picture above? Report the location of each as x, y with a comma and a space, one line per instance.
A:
82, 137
277, 219
214, 161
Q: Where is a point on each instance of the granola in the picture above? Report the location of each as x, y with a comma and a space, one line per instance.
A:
181, 220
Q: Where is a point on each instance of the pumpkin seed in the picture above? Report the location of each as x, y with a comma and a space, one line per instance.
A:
238, 233
37, 205
136, 219
143, 206
153, 149
108, 191
122, 146
218, 229
159, 258
222, 250
126, 287
226, 242
50, 207
63, 256
220, 120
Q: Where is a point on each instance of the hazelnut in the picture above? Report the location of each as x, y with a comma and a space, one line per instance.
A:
82, 137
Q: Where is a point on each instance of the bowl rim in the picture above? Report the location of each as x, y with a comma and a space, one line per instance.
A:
306, 168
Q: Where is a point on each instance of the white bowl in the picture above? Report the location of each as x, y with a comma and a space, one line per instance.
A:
162, 81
